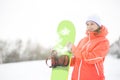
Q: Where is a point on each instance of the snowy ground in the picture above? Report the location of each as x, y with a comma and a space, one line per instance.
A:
37, 70
112, 68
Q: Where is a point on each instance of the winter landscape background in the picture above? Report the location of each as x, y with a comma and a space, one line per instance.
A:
37, 70
28, 32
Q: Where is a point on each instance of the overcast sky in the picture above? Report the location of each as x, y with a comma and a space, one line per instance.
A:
38, 19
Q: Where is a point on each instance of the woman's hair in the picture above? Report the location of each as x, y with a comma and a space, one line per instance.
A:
98, 30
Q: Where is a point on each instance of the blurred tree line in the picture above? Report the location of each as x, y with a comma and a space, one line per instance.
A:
17, 51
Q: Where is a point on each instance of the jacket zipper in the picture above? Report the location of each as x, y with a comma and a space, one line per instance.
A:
81, 60
96, 67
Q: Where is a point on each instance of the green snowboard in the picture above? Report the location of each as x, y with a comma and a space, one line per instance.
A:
66, 33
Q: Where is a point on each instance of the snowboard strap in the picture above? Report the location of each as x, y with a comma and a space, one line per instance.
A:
62, 60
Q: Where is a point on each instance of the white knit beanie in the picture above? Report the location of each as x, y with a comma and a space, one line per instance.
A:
95, 19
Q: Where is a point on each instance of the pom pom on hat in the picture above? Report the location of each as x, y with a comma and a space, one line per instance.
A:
95, 19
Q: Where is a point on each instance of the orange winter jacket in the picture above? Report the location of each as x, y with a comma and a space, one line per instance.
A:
89, 56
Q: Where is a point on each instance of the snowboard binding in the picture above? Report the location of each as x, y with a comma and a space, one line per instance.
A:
62, 60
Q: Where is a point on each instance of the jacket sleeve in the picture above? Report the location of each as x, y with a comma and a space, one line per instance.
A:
97, 54
76, 51
75, 48
72, 61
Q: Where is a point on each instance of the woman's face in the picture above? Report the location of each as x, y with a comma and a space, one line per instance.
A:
92, 26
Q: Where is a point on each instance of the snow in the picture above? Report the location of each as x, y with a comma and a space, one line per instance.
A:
112, 68
33, 70
37, 70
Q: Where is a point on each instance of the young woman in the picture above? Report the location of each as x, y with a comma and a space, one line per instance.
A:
90, 53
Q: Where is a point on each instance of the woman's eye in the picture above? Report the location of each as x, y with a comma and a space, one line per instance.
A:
92, 24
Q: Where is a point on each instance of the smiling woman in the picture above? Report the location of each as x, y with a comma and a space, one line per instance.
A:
90, 52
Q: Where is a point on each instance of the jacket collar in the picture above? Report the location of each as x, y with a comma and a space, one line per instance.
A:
92, 35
